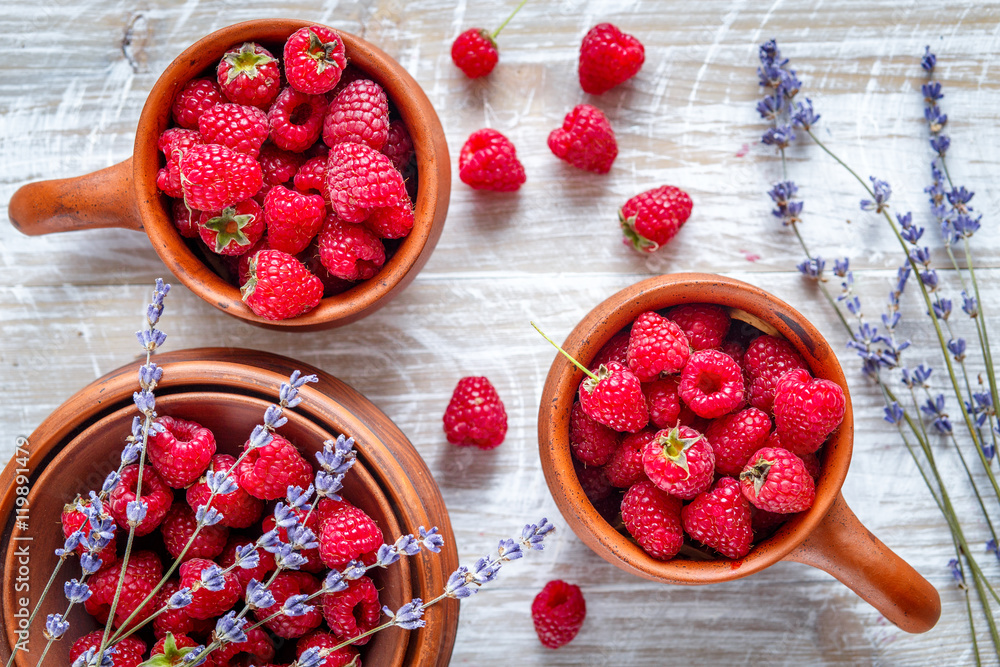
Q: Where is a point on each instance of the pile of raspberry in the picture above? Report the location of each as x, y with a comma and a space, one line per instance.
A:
700, 430
296, 176
174, 485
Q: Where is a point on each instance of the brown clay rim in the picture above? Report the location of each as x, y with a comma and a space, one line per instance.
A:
433, 165
596, 328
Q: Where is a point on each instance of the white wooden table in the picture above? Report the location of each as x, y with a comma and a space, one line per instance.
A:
75, 76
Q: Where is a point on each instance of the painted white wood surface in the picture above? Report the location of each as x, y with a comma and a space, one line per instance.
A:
75, 76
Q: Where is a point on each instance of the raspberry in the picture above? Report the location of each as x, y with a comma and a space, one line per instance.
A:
314, 59
280, 287
488, 161
353, 611
314, 522
249, 75
625, 467
196, 97
650, 219
234, 229
360, 179
267, 472
475, 53
331, 284
679, 461
720, 519
558, 612
296, 119
293, 219
615, 349
711, 384
585, 140
653, 518
184, 218
656, 345
277, 165
360, 114
398, 145
734, 349
593, 480
768, 358
613, 397
170, 648
179, 525
704, 324
342, 657
806, 410
284, 586
736, 437
663, 401
239, 127
812, 464
73, 520
475, 415
391, 223
242, 262
776, 480
258, 645
214, 177
608, 57
591, 443
175, 621
155, 493
181, 451
128, 651
265, 564
206, 603
350, 251
142, 574
311, 178
346, 536
174, 143
238, 508
765, 523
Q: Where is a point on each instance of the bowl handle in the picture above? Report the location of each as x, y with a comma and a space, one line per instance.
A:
103, 198
841, 546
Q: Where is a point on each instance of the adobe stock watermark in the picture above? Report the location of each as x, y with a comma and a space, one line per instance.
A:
22, 543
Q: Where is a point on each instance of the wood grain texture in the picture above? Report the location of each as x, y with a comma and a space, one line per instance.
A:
69, 303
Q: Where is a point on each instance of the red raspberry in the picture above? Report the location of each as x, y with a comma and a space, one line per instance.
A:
608, 57
277, 165
349, 251
650, 219
265, 566
314, 522
280, 287
360, 179
174, 143
591, 442
558, 612
488, 161
392, 223
653, 518
776, 480
475, 53
293, 219
625, 467
296, 119
806, 410
615, 398
181, 451
765, 523
267, 472
679, 461
258, 645
311, 178
711, 384
331, 284
314, 59
234, 229
812, 464
241, 266
214, 177
171, 653
196, 97
342, 657
73, 520
142, 574
346, 536
284, 586
156, 494
585, 140
238, 508
615, 349
736, 437
398, 145
360, 114
179, 525
128, 651
593, 480
353, 611
734, 349
184, 218
242, 128
206, 603
175, 621
249, 75
705, 324
663, 401
656, 345
720, 519
475, 416
768, 358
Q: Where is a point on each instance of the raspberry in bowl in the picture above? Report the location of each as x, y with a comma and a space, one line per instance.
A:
706, 443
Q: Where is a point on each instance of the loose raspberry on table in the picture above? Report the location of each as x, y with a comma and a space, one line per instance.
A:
195, 98
284, 586
704, 324
314, 59
348, 535
72, 520
142, 574
591, 442
280, 287
242, 128
656, 346
360, 114
248, 74
206, 603
155, 494
296, 119
180, 524
475, 53
720, 519
475, 416
353, 611
267, 472
558, 612
488, 161
806, 410
679, 461
736, 437
663, 401
360, 179
128, 651
608, 57
615, 398
214, 177
650, 219
238, 508
293, 219
350, 251
712, 384
776, 480
625, 467
398, 145
766, 359
265, 561
653, 517
585, 140
342, 657
181, 451
234, 229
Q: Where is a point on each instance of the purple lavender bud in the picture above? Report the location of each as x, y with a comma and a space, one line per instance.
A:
936, 120
930, 279
70, 544
55, 626
431, 540
882, 191
296, 605
804, 116
212, 578
812, 268
970, 305
991, 548
841, 267
220, 483
965, 225
311, 657
273, 418
90, 563
76, 591
407, 545
932, 92
150, 339
770, 107
942, 308
229, 629
327, 485
288, 559
135, 511
957, 347
956, 572
780, 137
130, 453
302, 538
258, 597
790, 84
334, 582
284, 517
260, 437
929, 60
409, 616
894, 413
110, 482
959, 197
208, 516
941, 144
386, 556
458, 584
354, 570
298, 497
270, 541
247, 556
180, 599
509, 549
145, 401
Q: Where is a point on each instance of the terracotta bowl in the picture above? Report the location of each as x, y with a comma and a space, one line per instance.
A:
126, 195
80, 442
828, 536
